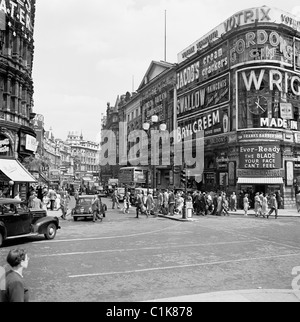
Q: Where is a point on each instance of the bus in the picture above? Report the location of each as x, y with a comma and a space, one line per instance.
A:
133, 177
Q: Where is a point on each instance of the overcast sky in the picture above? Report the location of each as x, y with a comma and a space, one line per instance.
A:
87, 52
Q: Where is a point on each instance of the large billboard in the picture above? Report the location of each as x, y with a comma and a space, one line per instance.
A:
205, 67
262, 45
268, 97
208, 95
212, 122
260, 156
259, 15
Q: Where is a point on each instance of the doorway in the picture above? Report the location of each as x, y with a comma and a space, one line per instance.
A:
260, 189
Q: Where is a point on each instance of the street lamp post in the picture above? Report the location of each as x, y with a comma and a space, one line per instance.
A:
147, 128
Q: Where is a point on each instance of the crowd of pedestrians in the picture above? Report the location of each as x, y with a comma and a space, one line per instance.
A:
171, 203
42, 197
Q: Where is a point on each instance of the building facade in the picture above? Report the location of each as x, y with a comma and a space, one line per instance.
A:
240, 85
86, 158
157, 97
17, 136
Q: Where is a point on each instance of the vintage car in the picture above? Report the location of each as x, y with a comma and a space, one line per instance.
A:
17, 220
83, 208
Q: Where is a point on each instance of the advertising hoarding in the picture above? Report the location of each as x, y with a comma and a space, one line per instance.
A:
260, 157
258, 15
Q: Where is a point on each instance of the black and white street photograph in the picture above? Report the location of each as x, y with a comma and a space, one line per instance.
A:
149, 154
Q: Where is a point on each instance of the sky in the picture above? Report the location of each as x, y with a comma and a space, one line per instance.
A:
89, 52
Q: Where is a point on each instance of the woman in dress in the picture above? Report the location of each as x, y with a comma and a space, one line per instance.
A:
246, 204
257, 205
264, 208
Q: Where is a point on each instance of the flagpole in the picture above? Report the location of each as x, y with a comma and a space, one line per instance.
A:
165, 35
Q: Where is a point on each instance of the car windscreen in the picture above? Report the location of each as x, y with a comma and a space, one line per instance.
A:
85, 201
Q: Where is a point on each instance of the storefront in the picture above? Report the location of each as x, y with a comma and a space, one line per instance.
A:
14, 178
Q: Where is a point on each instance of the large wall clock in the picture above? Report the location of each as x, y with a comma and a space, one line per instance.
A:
257, 105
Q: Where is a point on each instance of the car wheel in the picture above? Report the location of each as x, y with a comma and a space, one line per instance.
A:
75, 218
51, 231
1, 239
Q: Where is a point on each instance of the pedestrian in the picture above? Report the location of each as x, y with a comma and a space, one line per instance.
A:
246, 204
279, 199
150, 204
264, 207
171, 203
298, 201
166, 202
220, 204
39, 191
30, 199
225, 205
233, 202
52, 196
273, 206
36, 203
257, 205
45, 201
96, 208
115, 199
160, 201
209, 204
15, 290
126, 203
214, 204
139, 204
63, 206
179, 204
18, 197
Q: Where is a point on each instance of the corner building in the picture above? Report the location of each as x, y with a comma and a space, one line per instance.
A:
17, 135
240, 84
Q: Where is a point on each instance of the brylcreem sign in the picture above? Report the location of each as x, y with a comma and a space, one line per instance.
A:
242, 18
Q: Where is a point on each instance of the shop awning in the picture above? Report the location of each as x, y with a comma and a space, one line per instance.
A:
15, 171
260, 181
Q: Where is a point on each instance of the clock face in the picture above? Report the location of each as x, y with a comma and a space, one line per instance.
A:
257, 105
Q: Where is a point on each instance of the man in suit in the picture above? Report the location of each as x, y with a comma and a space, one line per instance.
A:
273, 206
15, 290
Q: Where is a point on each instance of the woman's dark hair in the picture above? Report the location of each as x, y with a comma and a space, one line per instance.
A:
15, 257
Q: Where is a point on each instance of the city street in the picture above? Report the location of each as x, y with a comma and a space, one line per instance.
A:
124, 259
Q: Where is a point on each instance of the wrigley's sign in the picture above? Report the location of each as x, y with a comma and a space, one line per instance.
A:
242, 18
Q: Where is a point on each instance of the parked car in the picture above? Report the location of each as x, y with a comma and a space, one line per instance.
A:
83, 208
17, 220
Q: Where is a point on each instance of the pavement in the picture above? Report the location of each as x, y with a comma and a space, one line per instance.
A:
283, 213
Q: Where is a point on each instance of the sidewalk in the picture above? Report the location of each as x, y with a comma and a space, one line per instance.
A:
254, 296
283, 213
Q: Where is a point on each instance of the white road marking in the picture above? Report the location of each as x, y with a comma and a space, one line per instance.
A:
182, 266
141, 249
103, 238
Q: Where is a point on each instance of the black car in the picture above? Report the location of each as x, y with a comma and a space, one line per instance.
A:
17, 220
